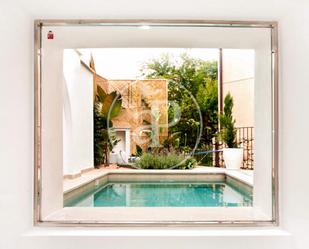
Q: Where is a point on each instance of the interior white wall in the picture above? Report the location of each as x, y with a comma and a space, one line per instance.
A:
77, 114
52, 131
263, 131
67, 121
16, 116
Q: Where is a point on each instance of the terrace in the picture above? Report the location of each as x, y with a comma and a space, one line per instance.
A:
142, 117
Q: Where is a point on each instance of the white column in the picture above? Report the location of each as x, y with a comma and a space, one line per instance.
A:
128, 142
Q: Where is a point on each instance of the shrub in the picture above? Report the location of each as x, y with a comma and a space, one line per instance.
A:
172, 161
190, 163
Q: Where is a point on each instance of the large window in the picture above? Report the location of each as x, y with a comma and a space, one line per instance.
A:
156, 122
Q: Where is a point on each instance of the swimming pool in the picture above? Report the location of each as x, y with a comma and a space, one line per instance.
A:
162, 194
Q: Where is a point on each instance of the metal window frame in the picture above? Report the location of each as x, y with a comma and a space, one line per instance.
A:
38, 24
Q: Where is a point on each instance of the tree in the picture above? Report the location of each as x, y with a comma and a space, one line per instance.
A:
186, 78
228, 132
207, 98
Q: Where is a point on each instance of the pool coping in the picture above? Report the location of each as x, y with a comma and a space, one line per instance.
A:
152, 215
87, 178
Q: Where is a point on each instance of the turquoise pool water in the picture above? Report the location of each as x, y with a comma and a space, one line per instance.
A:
158, 194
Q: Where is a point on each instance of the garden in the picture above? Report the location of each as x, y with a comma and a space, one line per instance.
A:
193, 119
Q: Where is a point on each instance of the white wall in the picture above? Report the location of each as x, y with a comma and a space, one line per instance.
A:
77, 114
238, 79
16, 118
121, 145
124, 144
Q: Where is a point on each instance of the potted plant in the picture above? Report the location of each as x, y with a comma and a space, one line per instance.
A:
233, 156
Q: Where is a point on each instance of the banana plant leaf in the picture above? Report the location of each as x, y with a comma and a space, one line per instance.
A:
100, 94
111, 103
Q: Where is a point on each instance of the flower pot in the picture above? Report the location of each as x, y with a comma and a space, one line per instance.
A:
233, 157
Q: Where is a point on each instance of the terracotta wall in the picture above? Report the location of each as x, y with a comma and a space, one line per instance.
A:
139, 99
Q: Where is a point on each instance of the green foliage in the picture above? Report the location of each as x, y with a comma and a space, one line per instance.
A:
187, 78
207, 98
106, 107
100, 138
139, 150
111, 103
190, 163
113, 141
228, 131
189, 72
172, 161
172, 141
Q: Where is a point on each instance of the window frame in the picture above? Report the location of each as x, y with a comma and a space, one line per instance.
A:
38, 24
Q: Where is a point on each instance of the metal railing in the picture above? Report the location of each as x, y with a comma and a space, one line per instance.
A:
245, 140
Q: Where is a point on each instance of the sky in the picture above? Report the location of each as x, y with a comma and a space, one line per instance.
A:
125, 63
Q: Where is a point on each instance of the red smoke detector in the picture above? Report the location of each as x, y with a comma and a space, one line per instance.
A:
50, 35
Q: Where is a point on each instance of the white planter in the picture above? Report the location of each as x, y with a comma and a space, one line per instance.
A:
113, 157
118, 157
233, 157
122, 158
